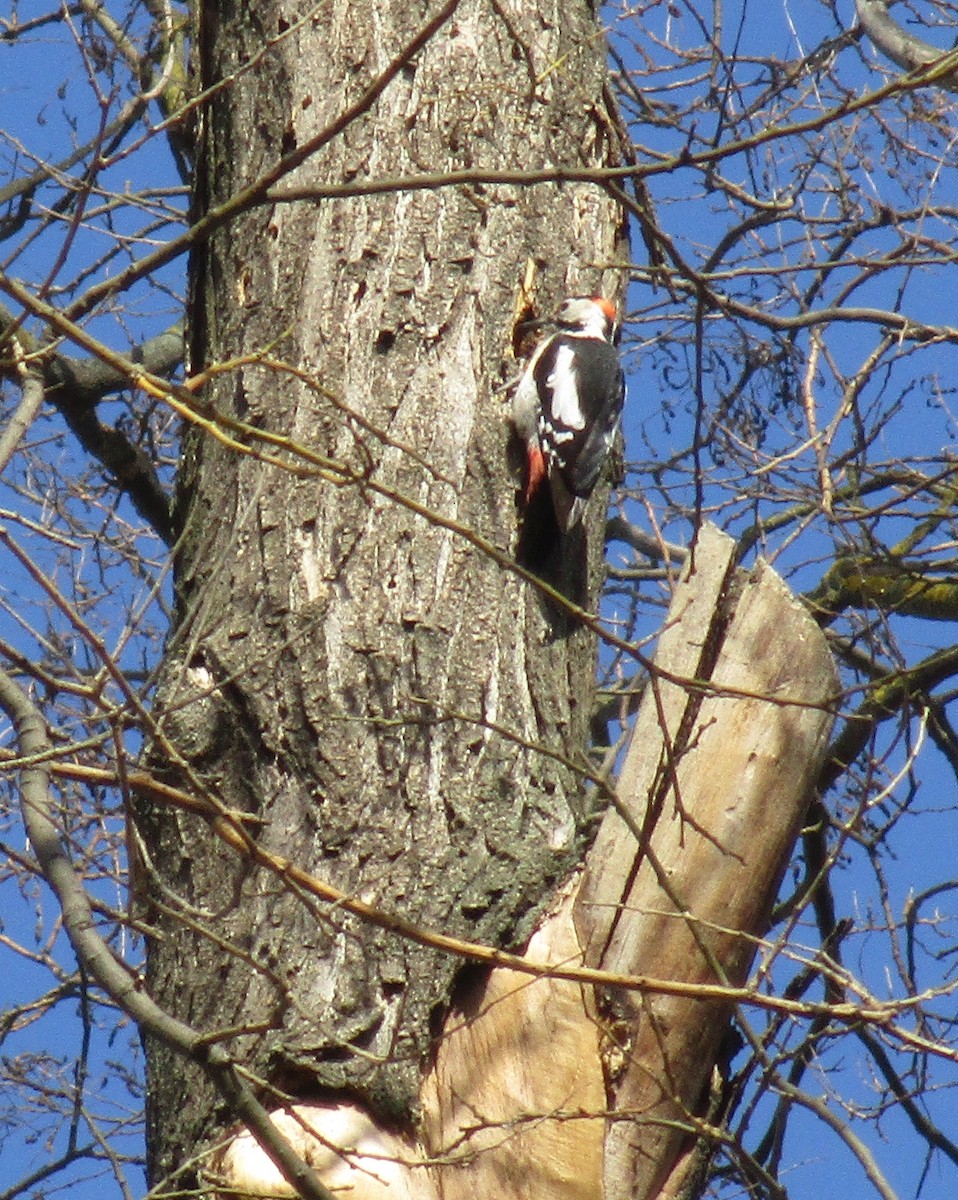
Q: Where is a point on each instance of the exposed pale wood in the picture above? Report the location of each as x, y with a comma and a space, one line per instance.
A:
681, 644
513, 1106
739, 766
340, 1142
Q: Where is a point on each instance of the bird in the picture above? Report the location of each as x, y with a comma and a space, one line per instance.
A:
567, 406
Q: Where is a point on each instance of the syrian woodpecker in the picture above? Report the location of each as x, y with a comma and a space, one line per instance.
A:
568, 406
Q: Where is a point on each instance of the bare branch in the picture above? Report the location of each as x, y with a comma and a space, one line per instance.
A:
903, 48
76, 386
96, 957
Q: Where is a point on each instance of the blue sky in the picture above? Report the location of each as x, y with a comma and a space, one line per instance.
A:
915, 385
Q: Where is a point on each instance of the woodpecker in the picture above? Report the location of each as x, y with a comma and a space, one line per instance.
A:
568, 406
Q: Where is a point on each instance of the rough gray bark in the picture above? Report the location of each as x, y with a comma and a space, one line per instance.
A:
904, 49
339, 661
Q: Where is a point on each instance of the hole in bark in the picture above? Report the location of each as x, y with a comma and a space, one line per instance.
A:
467, 994
385, 341
365, 1039
335, 1054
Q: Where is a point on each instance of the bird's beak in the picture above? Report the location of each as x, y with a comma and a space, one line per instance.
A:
531, 324
523, 333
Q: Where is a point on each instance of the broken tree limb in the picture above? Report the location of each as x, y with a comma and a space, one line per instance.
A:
716, 781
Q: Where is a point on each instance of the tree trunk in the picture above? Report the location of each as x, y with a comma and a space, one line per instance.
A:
361, 679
